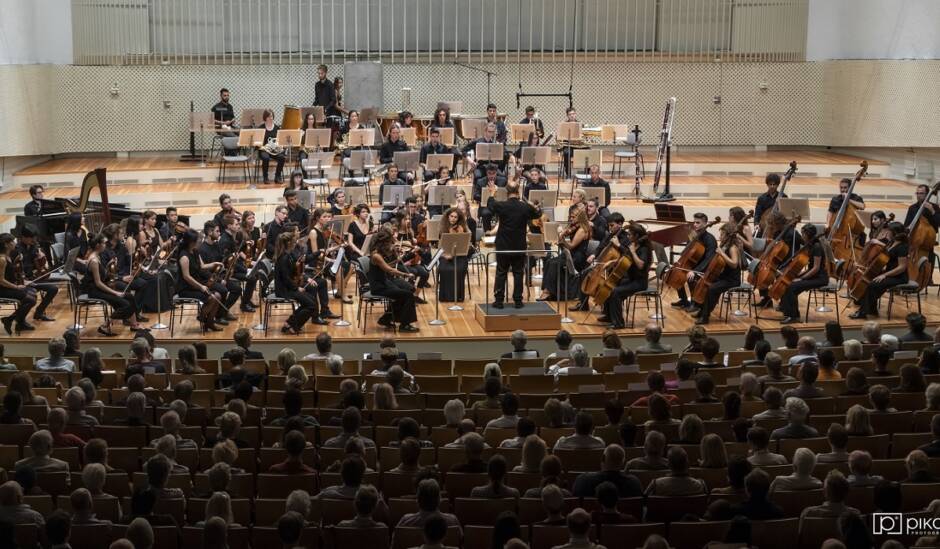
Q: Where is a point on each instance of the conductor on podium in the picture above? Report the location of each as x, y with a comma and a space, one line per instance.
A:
514, 216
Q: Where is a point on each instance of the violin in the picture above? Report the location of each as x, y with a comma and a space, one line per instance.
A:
675, 277
40, 262
19, 277
762, 275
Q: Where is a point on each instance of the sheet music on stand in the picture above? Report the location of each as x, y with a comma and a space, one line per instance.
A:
436, 161
367, 245
435, 259
306, 198
520, 133
536, 243
801, 206
407, 161
395, 195
338, 262
368, 116
318, 138
547, 199
537, 156
473, 128
441, 195
669, 212
489, 152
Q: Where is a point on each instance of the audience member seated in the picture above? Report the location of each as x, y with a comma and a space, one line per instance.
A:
142, 361
12, 410
492, 387
918, 468
56, 361
660, 412
654, 451
519, 339
551, 473
290, 527
553, 502
96, 451
226, 452
83, 508
136, 411
428, 495
58, 528
142, 506
57, 419
710, 349
454, 411
804, 461
166, 446
365, 502
880, 398
351, 421
678, 482
13, 510
653, 333
705, 386
583, 438
324, 343
558, 413
578, 359
42, 461
685, 369
912, 380
533, 452
856, 382
140, 533
292, 402
932, 449
434, 530
23, 384
761, 349
836, 489
774, 364
790, 336
611, 470
491, 369
219, 506
827, 366
809, 372
657, 385
509, 404
410, 452
880, 357
171, 424
805, 352
888, 497
750, 388
838, 442
75, 406
496, 488
759, 441
738, 469
797, 413
607, 499
524, 427
158, 469
563, 344
465, 427
712, 452
757, 506
579, 525
860, 470
858, 422
929, 361
473, 447
409, 428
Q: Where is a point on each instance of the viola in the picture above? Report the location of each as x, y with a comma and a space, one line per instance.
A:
762, 276
675, 277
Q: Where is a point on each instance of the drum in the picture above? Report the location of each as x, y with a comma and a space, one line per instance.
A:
292, 119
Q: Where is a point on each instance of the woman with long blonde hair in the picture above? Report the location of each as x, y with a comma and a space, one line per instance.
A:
575, 240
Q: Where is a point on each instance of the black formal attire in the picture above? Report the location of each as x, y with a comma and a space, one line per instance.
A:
537, 122
223, 113
707, 240
389, 209
322, 290
484, 212
514, 215
795, 242
266, 157
240, 273
636, 280
765, 203
358, 238
434, 209
324, 95
445, 273
869, 302
77, 240
480, 169
185, 289
429, 148
27, 297
300, 216
600, 184
836, 202
274, 230
789, 305
212, 253
399, 291
286, 287
540, 185
933, 219
143, 286
33, 208
598, 227
729, 278
47, 289
558, 266
389, 148
122, 308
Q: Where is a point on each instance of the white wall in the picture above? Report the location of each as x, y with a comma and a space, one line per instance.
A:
35, 32
873, 29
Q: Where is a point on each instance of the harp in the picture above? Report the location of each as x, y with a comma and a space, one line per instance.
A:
97, 213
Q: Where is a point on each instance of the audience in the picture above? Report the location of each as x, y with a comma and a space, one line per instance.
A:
653, 333
524, 427
836, 489
611, 470
757, 506
582, 439
579, 525
804, 461
496, 488
553, 502
56, 361
838, 442
41, 461
678, 482
916, 326
519, 339
860, 464
509, 404
365, 501
809, 372
797, 413
654, 454
759, 441
932, 449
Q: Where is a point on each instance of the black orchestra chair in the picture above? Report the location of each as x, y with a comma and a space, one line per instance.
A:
270, 302
85, 304
652, 292
909, 289
231, 144
180, 305
366, 300
831, 288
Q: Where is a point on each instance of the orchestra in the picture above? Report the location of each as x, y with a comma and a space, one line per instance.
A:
299, 253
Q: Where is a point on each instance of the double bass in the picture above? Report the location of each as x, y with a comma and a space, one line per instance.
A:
675, 277
763, 274
717, 264
845, 227
922, 238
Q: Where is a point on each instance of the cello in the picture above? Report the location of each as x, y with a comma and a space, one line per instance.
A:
792, 270
845, 227
762, 276
922, 239
605, 260
717, 264
675, 277
872, 262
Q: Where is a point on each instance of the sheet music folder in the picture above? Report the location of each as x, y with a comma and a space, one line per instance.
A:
669, 212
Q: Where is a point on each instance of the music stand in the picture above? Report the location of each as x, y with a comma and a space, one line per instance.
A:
488, 152
434, 229
586, 158
500, 195
473, 128
250, 138
409, 136
355, 195
535, 245
798, 205
447, 136
567, 132
442, 195
459, 246
202, 122
536, 156
306, 198
395, 195
342, 223
251, 118
361, 138
317, 138
520, 132
545, 198
669, 212
437, 321
407, 161
437, 161
596, 193
289, 139
569, 264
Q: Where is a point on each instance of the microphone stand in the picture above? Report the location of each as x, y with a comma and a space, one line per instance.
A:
159, 325
455, 307
489, 77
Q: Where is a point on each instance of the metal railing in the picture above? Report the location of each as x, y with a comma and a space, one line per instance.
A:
151, 32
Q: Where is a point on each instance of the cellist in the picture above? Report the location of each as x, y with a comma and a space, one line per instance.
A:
636, 279
894, 274
815, 276
614, 234
700, 228
774, 223
729, 249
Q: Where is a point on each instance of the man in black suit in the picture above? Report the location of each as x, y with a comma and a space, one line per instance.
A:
34, 206
491, 180
514, 216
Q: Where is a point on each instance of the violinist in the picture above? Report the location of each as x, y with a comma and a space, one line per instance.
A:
701, 234
130, 254
409, 251
295, 212
11, 289
578, 234
76, 236
614, 234
492, 180
464, 208
194, 284
596, 182
233, 243
387, 281
95, 283
894, 274
931, 210
835, 204
34, 263
168, 230
766, 201
212, 258
453, 222
358, 229
225, 203
392, 178
739, 217
289, 284
321, 250
274, 229
815, 276
433, 146
729, 249
637, 277
337, 202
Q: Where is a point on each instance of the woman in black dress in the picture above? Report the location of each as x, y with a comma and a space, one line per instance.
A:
9, 289
814, 276
193, 283
894, 274
358, 229
76, 236
286, 285
387, 281
578, 234
453, 222
730, 249
95, 283
321, 252
270, 132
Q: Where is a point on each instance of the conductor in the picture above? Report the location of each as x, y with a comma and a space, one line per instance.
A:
514, 216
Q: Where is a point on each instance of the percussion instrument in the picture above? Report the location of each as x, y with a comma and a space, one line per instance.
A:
292, 119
